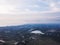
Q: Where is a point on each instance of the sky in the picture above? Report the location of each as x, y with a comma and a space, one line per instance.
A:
17, 12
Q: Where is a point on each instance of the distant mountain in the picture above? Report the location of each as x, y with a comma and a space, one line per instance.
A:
32, 26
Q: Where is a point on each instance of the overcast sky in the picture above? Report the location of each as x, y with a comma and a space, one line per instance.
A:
16, 12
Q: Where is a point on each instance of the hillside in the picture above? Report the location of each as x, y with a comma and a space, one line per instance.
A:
49, 34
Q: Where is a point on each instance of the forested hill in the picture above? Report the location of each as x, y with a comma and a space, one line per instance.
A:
47, 33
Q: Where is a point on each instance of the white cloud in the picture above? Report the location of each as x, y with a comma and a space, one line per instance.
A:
53, 6
27, 10
5, 7
37, 32
15, 6
11, 13
29, 18
59, 3
34, 6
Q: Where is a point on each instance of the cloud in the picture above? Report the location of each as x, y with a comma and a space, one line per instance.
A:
5, 7
27, 10
53, 4
21, 6
34, 6
30, 18
54, 7
59, 3
14, 12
